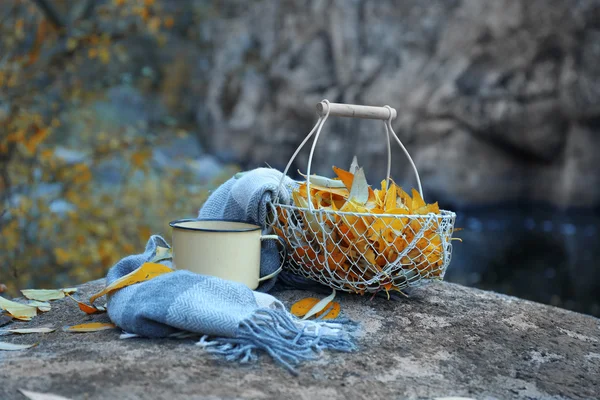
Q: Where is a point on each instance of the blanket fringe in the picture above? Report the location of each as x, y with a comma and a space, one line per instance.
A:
288, 340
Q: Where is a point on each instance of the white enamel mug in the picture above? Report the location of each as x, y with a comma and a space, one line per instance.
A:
226, 249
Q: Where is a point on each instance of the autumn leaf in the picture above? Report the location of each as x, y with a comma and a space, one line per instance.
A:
20, 311
144, 273
302, 307
24, 331
15, 347
86, 308
90, 327
46, 294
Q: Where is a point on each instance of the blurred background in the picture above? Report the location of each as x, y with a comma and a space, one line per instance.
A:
117, 116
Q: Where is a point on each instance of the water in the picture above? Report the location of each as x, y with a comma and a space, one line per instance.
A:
534, 253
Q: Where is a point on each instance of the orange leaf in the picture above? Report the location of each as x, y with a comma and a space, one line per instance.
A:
345, 176
84, 307
300, 308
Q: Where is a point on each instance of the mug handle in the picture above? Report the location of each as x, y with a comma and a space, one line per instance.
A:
285, 253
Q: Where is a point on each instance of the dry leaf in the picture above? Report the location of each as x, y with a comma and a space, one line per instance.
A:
302, 307
144, 273
20, 311
162, 253
360, 188
353, 165
87, 308
90, 327
41, 396
358, 247
24, 331
46, 294
14, 347
42, 306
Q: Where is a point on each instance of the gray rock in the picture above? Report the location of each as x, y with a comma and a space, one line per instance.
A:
445, 340
492, 95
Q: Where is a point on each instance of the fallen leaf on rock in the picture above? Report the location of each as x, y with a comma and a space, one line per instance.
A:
41, 396
87, 308
42, 306
24, 331
144, 273
46, 294
90, 327
15, 347
302, 307
20, 311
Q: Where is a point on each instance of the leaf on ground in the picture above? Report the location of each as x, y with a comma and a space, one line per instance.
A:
302, 307
144, 273
42, 306
20, 311
41, 396
24, 331
15, 347
87, 308
46, 294
90, 327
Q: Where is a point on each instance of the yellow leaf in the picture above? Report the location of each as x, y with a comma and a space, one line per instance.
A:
300, 308
90, 327
20, 311
144, 273
417, 200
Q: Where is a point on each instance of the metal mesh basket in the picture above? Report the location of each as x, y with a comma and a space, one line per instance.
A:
363, 252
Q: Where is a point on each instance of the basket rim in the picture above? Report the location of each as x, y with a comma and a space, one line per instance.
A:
444, 214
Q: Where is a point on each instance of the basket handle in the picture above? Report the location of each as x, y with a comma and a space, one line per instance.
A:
324, 109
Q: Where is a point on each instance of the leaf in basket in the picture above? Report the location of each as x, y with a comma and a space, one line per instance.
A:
345, 176
404, 200
390, 197
354, 165
417, 200
300, 308
359, 192
323, 181
144, 273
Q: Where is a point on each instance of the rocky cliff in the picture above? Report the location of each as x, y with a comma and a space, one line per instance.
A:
498, 100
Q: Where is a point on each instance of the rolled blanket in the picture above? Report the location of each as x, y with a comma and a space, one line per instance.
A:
248, 197
233, 320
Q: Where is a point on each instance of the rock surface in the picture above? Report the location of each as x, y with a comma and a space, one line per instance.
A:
446, 340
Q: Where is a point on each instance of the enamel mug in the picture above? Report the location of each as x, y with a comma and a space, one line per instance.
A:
226, 249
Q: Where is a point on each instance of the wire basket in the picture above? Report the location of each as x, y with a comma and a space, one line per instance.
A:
363, 252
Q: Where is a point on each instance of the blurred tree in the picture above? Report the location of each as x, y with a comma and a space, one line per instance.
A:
63, 222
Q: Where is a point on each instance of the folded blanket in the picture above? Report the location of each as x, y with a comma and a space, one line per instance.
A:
248, 197
233, 320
